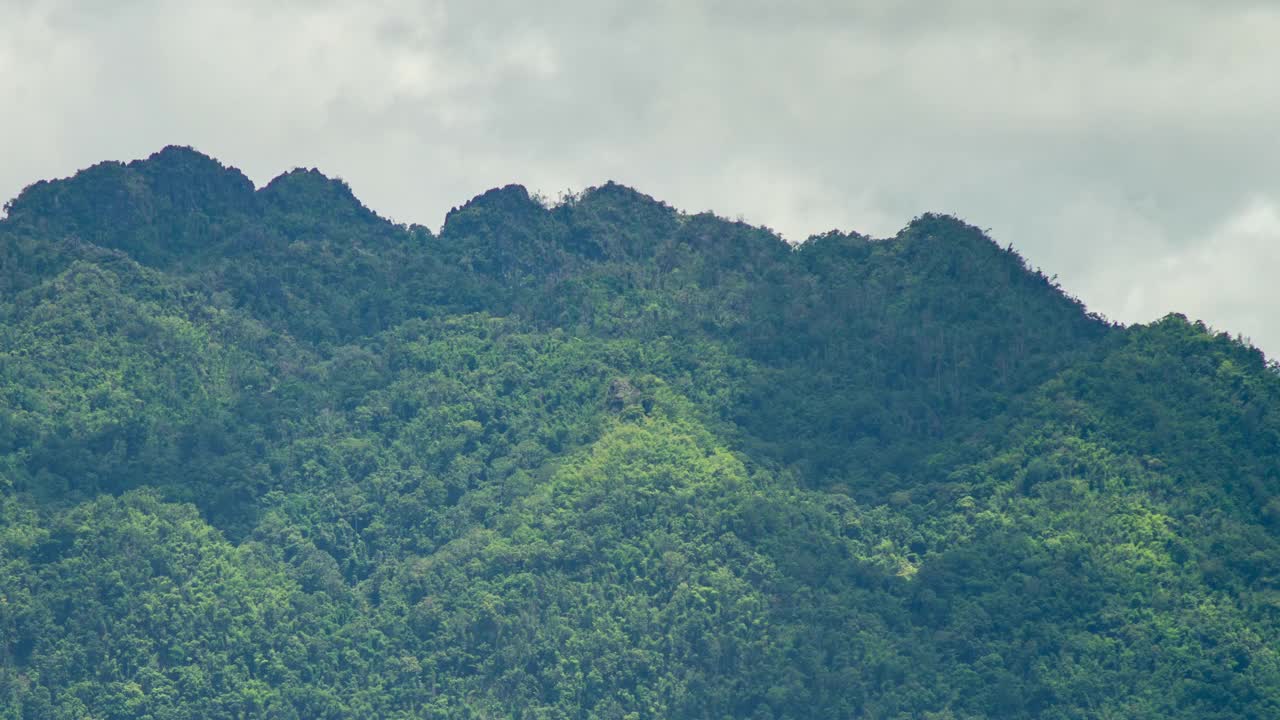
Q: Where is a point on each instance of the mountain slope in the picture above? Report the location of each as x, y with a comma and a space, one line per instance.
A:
266, 454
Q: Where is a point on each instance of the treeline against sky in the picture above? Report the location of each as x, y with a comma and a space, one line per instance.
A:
266, 454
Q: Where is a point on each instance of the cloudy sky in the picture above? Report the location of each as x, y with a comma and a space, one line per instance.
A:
1130, 148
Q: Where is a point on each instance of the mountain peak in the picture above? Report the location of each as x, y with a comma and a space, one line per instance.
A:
182, 156
942, 222
612, 191
503, 231
511, 198
311, 192
604, 220
144, 208
493, 209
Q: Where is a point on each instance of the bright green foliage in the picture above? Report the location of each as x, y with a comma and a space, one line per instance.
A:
265, 454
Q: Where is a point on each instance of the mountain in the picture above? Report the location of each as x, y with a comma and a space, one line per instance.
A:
264, 453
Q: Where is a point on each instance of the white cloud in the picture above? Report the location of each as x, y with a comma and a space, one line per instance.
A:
1231, 274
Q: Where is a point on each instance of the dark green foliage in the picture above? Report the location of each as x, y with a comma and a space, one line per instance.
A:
265, 454
157, 209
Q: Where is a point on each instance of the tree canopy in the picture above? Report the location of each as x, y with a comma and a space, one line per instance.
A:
266, 454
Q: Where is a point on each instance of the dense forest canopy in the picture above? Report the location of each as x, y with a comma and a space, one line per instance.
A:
264, 453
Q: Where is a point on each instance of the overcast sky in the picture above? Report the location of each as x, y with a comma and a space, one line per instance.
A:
1130, 148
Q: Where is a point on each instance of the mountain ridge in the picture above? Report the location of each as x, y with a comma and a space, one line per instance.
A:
266, 454
42, 196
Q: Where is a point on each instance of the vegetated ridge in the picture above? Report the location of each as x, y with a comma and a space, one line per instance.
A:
264, 453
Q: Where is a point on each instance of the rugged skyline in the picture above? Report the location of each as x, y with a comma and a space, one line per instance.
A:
1127, 149
266, 454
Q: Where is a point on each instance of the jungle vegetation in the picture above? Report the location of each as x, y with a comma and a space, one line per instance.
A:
265, 454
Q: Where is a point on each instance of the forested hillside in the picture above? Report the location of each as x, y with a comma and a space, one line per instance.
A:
264, 454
